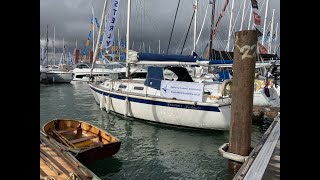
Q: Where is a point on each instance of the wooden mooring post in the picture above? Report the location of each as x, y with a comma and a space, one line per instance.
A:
242, 95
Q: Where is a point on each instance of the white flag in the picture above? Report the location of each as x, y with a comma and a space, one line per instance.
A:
109, 31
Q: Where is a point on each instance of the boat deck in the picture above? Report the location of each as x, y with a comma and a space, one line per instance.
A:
273, 169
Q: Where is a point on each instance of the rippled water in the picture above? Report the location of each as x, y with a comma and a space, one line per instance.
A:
148, 150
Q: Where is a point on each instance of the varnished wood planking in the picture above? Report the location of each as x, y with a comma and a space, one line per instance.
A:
59, 159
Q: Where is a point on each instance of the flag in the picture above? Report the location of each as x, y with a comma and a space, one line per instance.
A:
97, 23
109, 31
257, 18
91, 20
123, 46
267, 37
254, 4
90, 34
262, 49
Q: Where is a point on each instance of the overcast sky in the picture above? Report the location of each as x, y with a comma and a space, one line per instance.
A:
151, 21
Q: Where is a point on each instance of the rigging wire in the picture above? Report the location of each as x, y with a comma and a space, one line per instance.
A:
204, 20
187, 32
174, 21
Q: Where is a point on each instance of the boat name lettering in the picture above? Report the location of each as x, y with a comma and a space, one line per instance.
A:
192, 107
174, 105
109, 32
195, 89
183, 106
186, 93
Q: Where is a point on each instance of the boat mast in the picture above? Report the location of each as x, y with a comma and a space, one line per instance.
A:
63, 52
159, 46
203, 22
174, 22
242, 18
275, 40
98, 38
211, 29
127, 42
54, 48
271, 32
207, 55
47, 44
93, 28
195, 24
195, 32
250, 18
230, 26
119, 46
265, 22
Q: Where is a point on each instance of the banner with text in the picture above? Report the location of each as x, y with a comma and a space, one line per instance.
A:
110, 28
190, 91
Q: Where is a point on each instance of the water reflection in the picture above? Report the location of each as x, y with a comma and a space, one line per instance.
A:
106, 167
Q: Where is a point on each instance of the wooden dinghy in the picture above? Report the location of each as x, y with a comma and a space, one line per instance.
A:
87, 142
57, 163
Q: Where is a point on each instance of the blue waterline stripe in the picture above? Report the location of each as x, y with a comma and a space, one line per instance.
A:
159, 103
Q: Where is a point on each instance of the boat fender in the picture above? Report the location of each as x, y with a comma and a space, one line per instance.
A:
223, 87
266, 88
108, 101
267, 91
102, 102
223, 150
257, 85
126, 102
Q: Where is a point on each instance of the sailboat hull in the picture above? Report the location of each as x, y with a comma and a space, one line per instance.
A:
167, 111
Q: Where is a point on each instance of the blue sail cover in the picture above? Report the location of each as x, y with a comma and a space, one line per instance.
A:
165, 57
154, 77
223, 75
221, 62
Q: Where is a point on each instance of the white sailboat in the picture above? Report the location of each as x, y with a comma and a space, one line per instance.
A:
61, 73
155, 99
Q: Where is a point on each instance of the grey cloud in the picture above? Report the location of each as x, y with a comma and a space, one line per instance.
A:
151, 20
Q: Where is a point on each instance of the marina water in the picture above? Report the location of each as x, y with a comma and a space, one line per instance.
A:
148, 150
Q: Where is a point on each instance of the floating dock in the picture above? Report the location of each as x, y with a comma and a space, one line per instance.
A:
264, 160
